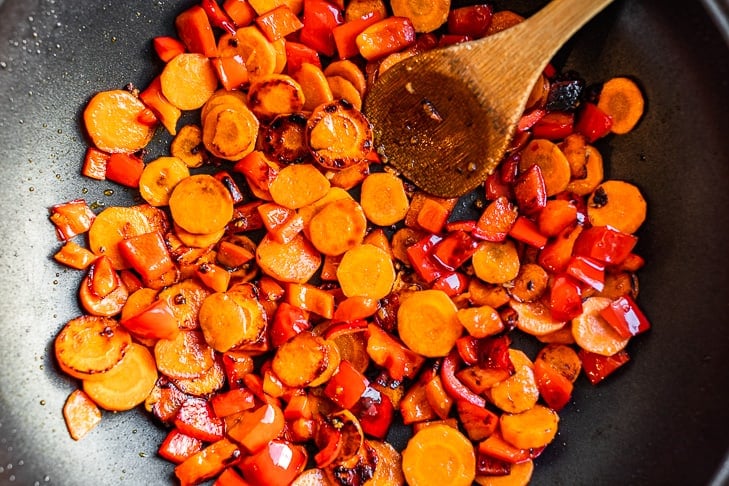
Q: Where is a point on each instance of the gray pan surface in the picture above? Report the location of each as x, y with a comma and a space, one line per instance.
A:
663, 420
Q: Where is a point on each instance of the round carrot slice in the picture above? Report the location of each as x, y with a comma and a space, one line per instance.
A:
185, 299
314, 85
496, 262
349, 71
531, 428
186, 356
301, 360
112, 120
201, 204
555, 168
384, 199
622, 99
428, 323
296, 261
619, 204
126, 385
230, 131
89, 346
535, 318
337, 227
229, 321
187, 146
562, 358
275, 94
343, 89
298, 185
594, 173
366, 271
339, 135
206, 383
519, 392
159, 177
188, 80
439, 454
113, 225
198, 240
593, 333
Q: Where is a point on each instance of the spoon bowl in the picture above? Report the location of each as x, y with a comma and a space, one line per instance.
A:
444, 118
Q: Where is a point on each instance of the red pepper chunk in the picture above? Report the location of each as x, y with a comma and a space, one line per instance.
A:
592, 122
385, 37
178, 446
288, 321
375, 412
320, 19
71, 218
455, 249
297, 54
496, 220
389, 353
587, 271
196, 418
279, 462
422, 260
598, 367
530, 190
124, 169
624, 315
554, 388
473, 21
217, 16
455, 387
346, 386
554, 126
345, 35
279, 22
565, 298
605, 244
147, 254
526, 231
167, 47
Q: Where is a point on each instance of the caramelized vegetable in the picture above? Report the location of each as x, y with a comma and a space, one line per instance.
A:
112, 120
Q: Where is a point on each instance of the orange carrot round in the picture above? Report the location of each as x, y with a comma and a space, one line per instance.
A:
593, 333
622, 99
384, 199
112, 120
439, 454
188, 80
366, 271
159, 177
619, 204
337, 227
428, 324
201, 204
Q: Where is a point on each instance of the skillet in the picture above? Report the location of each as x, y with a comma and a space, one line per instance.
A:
662, 420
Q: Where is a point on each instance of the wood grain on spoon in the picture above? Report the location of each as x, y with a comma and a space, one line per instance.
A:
445, 118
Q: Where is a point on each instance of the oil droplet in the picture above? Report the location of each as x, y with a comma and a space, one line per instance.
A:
31, 188
472, 167
84, 190
142, 454
43, 403
109, 192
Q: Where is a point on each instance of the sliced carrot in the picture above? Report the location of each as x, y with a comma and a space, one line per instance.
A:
198, 240
531, 428
366, 271
619, 204
495, 262
233, 99
337, 227
185, 299
343, 89
556, 215
481, 321
88, 346
188, 81
159, 177
112, 121
339, 135
574, 148
348, 70
138, 300
502, 20
519, 475
427, 322
314, 84
113, 225
230, 131
594, 170
127, 384
301, 360
295, 261
379, 238
426, 15
562, 358
350, 177
383, 198
206, 383
258, 52
535, 318
228, 321
298, 185
167, 113
593, 333
550, 159
195, 31
201, 204
622, 100
439, 454
388, 467
185, 356
309, 211
275, 94
519, 392
364, 9
81, 414
188, 147
530, 284
481, 293
311, 477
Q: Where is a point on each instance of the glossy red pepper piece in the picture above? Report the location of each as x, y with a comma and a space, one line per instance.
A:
178, 446
526, 231
452, 283
478, 422
494, 353
297, 54
278, 22
529, 119
279, 462
624, 315
455, 387
468, 349
375, 413
554, 388
320, 18
451, 39
288, 321
598, 367
387, 36
94, 165
565, 298
217, 16
196, 418
422, 260
555, 125
587, 271
156, 321
389, 353
194, 30
232, 401
495, 188
592, 122
605, 244
230, 184
346, 386
246, 218
473, 21
71, 218
556, 254
124, 169
530, 190
167, 47
240, 11
496, 220
455, 249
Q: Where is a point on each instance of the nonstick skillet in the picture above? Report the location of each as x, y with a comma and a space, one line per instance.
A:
662, 420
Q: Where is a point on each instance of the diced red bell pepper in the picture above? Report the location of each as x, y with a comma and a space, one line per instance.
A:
387, 36
167, 113
240, 11
246, 218
278, 23
74, 255
495, 446
208, 463
624, 315
605, 244
194, 30
592, 122
473, 21
346, 386
320, 19
167, 48
467, 225
554, 388
355, 309
598, 367
229, 477
288, 321
231, 70
558, 251
256, 168
124, 169
526, 231
468, 349
588, 271
94, 165
177, 446
217, 16
455, 249
496, 220
530, 190
555, 125
451, 39
196, 418
329, 442
297, 54
509, 168
279, 462
422, 260
386, 351
237, 365
157, 321
478, 422
565, 298
147, 254
494, 353
432, 215
232, 401
345, 35
455, 387
375, 413
529, 119
556, 216
490, 466
452, 283
258, 427
230, 184
71, 218
495, 188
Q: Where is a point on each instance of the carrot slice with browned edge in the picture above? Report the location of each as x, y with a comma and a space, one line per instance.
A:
550, 159
562, 358
301, 360
622, 99
618, 204
535, 318
187, 146
188, 80
201, 204
384, 199
496, 263
112, 120
426, 15
427, 322
275, 94
337, 227
127, 384
439, 454
228, 320
81, 414
314, 84
339, 135
187, 355
89, 346
159, 177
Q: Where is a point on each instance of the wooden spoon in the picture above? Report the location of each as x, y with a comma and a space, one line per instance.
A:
444, 118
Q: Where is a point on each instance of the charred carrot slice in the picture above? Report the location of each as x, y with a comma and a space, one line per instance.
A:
187, 146
552, 162
275, 94
531, 428
228, 321
258, 52
201, 204
127, 384
112, 121
439, 454
188, 81
619, 204
426, 15
562, 358
366, 271
428, 324
339, 135
622, 100
535, 318
205, 384
593, 173
230, 131
88, 346
81, 414
348, 70
159, 177
337, 227
343, 89
187, 355
301, 360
